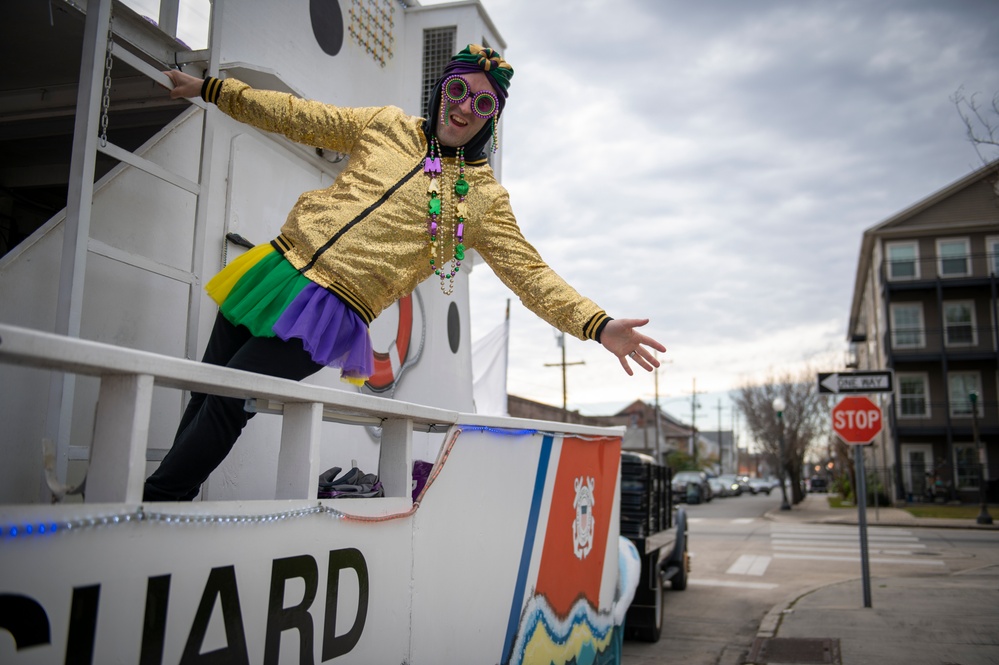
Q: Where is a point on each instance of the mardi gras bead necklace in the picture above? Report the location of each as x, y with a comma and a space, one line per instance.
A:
445, 267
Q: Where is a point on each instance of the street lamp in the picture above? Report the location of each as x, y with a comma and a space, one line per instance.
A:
983, 514
779, 405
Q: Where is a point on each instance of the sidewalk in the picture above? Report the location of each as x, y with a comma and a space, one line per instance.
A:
815, 510
933, 620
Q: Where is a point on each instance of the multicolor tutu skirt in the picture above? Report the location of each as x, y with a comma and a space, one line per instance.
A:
265, 293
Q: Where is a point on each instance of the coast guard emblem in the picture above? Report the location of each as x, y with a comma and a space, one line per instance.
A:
582, 526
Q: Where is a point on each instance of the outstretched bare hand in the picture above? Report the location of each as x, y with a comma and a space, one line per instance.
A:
184, 85
620, 338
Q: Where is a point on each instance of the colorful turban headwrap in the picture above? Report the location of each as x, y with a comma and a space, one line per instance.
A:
479, 58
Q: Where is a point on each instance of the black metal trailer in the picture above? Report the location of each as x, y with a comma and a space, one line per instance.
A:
659, 532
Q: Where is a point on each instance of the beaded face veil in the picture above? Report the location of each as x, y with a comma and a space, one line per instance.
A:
446, 223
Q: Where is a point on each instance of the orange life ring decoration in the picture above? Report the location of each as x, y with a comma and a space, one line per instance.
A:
385, 376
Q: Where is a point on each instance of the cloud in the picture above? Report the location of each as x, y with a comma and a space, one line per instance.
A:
712, 166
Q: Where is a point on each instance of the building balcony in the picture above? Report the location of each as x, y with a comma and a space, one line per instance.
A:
959, 342
915, 416
958, 271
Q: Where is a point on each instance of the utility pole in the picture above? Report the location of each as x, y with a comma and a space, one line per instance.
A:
735, 447
563, 364
721, 443
693, 421
658, 446
658, 449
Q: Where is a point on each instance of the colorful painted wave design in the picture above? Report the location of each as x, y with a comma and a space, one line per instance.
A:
544, 638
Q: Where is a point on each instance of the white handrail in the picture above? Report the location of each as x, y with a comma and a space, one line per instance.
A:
118, 454
24, 346
121, 432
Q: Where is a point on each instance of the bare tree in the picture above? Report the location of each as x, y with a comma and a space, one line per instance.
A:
981, 123
805, 420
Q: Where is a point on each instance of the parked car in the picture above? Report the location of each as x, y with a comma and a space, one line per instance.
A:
818, 484
736, 486
691, 486
758, 485
718, 487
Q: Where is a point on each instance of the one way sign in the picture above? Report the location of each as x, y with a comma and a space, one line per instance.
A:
856, 382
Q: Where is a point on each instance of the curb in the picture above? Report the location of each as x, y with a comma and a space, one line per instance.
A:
772, 620
770, 625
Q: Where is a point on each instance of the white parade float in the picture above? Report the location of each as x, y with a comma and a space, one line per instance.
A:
509, 551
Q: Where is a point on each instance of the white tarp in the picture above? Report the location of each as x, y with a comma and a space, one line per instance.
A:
489, 362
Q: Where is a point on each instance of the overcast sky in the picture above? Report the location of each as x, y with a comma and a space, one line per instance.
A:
711, 166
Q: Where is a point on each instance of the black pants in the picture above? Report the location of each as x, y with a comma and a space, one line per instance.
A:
211, 424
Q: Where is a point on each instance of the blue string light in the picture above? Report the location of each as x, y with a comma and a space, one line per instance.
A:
530, 432
20, 531
498, 430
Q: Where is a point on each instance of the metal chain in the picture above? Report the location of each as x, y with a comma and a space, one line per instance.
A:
106, 101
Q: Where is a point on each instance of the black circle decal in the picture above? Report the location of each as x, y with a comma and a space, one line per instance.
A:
453, 327
327, 25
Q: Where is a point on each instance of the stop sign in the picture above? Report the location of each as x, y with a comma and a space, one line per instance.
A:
857, 420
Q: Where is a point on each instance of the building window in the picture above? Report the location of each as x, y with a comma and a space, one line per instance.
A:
992, 247
903, 260
438, 47
907, 326
961, 385
967, 464
913, 396
959, 323
954, 257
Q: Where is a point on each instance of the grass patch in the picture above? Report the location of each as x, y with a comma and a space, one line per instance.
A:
836, 501
962, 512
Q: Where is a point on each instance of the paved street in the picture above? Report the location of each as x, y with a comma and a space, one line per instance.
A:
743, 565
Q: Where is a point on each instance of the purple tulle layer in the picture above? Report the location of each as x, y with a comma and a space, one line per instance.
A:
332, 333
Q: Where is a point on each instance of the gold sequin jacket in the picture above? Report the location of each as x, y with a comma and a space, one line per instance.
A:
364, 238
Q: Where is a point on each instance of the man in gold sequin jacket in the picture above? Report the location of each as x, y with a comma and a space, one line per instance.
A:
413, 195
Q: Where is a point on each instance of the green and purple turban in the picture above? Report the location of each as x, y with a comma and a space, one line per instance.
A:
475, 58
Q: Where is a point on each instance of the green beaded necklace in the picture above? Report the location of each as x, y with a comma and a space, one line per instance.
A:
436, 217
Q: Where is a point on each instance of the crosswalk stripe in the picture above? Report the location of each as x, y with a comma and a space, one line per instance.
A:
732, 583
837, 550
816, 557
842, 543
837, 529
845, 536
743, 520
749, 564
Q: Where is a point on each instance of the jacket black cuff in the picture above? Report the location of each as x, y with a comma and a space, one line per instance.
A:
595, 326
211, 89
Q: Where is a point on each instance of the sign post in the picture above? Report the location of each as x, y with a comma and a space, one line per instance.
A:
865, 563
857, 420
